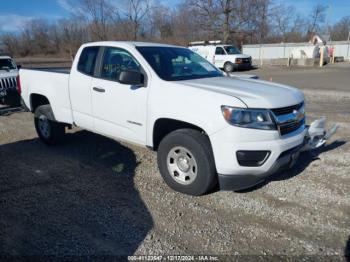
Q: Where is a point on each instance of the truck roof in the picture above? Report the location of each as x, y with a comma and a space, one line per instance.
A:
129, 44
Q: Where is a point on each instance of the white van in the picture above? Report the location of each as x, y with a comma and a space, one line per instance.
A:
226, 57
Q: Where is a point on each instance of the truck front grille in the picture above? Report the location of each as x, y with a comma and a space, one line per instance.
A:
246, 60
9, 82
290, 127
287, 110
289, 119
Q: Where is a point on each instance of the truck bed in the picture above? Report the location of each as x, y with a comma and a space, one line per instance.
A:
62, 70
51, 83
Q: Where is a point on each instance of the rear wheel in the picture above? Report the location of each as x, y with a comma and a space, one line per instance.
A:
49, 130
186, 162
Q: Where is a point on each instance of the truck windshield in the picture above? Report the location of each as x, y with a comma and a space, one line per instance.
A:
6, 64
176, 63
232, 50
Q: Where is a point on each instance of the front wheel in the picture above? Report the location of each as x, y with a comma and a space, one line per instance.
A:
186, 162
49, 130
228, 67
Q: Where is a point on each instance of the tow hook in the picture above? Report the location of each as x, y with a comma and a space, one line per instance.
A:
317, 135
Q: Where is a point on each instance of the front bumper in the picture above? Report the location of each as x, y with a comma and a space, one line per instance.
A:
286, 160
233, 175
243, 66
250, 169
9, 96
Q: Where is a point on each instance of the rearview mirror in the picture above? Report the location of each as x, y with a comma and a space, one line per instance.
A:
134, 78
19, 67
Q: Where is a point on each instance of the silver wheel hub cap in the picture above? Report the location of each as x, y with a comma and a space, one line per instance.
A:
44, 126
182, 165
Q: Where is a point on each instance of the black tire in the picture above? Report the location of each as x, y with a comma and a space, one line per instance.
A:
229, 67
199, 146
56, 130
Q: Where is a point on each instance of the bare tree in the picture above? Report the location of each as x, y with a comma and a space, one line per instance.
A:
317, 17
205, 14
98, 15
162, 25
341, 30
136, 12
185, 27
259, 16
41, 41
282, 20
72, 34
227, 8
10, 44
249, 21
230, 19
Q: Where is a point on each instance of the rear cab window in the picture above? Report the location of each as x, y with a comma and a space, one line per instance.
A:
87, 60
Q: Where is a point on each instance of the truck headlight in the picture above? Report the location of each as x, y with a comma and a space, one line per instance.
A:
249, 118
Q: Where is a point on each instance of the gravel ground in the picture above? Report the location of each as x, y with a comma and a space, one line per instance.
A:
95, 196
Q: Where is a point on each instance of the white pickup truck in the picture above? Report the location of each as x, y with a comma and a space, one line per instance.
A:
207, 128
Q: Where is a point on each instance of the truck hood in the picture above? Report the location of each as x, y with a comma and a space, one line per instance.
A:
254, 93
241, 56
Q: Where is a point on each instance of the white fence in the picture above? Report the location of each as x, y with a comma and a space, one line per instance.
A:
284, 50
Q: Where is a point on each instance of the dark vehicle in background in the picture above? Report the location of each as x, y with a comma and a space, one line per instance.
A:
9, 90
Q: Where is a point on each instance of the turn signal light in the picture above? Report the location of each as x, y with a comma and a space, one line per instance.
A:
19, 88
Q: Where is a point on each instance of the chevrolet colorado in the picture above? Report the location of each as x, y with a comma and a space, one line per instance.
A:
207, 128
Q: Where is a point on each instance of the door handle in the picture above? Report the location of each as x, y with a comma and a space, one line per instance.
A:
100, 90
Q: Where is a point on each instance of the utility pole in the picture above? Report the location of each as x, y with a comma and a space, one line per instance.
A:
347, 55
329, 17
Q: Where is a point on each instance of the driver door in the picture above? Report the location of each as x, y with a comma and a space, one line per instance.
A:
220, 57
119, 110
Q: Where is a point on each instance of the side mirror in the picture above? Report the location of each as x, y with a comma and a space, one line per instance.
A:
134, 78
19, 67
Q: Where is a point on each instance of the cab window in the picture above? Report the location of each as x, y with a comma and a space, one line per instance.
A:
7, 64
219, 51
116, 60
232, 50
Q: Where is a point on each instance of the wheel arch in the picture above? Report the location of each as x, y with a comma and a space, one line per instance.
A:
164, 126
37, 100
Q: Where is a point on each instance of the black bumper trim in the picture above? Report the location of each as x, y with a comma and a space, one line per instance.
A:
250, 158
240, 182
244, 66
